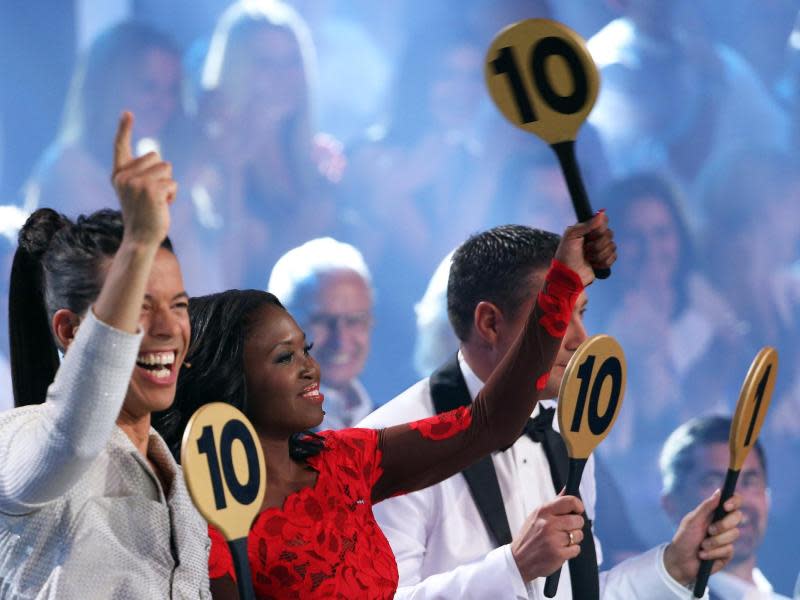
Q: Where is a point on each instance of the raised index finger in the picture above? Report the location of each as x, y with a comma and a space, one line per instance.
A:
122, 142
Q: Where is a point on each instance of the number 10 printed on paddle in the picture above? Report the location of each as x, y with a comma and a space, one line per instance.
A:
589, 400
543, 79
226, 475
751, 409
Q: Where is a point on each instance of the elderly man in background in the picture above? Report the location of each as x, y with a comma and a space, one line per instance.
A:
693, 463
327, 286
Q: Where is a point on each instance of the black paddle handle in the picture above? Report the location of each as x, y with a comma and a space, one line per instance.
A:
565, 151
576, 466
244, 580
705, 566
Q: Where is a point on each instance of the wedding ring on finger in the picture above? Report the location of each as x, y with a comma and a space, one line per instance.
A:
571, 539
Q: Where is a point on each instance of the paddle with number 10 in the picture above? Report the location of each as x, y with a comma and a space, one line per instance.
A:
224, 468
751, 409
543, 79
589, 401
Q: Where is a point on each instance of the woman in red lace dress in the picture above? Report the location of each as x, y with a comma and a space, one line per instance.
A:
316, 536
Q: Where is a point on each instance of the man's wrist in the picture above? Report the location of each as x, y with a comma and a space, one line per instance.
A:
673, 566
516, 579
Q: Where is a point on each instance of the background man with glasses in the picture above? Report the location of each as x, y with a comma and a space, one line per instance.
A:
693, 464
326, 286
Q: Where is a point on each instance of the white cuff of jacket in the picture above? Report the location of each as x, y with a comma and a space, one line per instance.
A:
644, 576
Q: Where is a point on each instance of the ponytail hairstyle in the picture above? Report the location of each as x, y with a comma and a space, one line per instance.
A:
58, 264
220, 325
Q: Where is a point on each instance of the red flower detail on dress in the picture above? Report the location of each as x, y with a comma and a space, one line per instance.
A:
541, 383
557, 298
324, 542
445, 425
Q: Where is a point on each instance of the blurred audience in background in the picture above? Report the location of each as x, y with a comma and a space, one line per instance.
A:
254, 164
435, 337
757, 31
684, 96
748, 250
327, 287
694, 462
351, 56
416, 185
130, 66
532, 189
788, 86
614, 521
417, 181
12, 218
665, 315
370, 122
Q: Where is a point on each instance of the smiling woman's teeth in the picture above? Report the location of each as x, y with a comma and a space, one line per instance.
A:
311, 391
160, 373
158, 364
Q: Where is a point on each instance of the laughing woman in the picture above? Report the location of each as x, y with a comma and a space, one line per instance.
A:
91, 503
316, 536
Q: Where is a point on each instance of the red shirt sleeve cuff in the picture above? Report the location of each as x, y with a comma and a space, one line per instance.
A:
557, 299
561, 275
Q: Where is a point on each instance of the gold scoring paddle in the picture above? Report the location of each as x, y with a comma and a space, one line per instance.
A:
589, 401
543, 79
751, 409
224, 468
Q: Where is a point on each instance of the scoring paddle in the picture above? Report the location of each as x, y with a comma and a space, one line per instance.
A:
751, 409
589, 400
224, 468
543, 79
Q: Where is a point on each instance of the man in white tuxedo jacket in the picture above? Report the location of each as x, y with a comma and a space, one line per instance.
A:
693, 461
453, 540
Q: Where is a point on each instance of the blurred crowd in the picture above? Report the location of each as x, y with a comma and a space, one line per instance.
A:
369, 123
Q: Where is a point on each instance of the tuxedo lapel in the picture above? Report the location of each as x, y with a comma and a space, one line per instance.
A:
448, 392
557, 459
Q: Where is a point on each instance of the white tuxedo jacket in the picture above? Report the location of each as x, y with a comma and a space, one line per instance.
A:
443, 549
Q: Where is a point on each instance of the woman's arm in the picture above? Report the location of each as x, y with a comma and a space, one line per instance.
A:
145, 189
420, 454
44, 450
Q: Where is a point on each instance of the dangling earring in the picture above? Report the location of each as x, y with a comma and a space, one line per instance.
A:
187, 364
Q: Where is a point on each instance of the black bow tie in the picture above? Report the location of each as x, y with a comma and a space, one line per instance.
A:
537, 427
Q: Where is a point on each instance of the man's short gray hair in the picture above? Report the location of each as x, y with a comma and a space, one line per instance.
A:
299, 271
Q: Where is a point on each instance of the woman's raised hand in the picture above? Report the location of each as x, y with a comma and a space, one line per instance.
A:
587, 246
144, 186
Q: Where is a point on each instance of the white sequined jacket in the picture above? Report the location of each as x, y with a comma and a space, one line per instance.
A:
82, 514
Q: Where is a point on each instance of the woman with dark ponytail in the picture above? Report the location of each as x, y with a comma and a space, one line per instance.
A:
92, 505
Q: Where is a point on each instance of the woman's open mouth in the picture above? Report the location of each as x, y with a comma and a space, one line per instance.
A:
158, 367
312, 393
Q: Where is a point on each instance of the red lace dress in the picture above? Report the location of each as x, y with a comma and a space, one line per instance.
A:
324, 542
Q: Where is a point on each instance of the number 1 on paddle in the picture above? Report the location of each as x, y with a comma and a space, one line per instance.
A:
751, 409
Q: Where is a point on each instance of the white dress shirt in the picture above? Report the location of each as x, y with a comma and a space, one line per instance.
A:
730, 587
82, 514
441, 544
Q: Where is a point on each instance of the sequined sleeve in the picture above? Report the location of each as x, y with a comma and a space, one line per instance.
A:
45, 449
